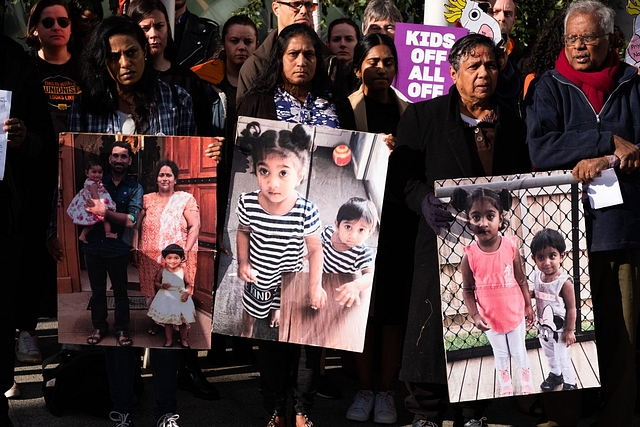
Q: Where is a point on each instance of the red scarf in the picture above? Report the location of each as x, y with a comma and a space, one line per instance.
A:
597, 85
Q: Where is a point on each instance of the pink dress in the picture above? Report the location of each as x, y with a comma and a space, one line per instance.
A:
76, 209
498, 294
161, 226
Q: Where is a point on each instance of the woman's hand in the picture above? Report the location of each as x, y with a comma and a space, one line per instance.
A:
214, 150
54, 248
390, 140
166, 285
16, 132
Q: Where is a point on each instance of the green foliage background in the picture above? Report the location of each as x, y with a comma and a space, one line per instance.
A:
531, 14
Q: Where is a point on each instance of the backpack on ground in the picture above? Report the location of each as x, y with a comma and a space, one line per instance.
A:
78, 383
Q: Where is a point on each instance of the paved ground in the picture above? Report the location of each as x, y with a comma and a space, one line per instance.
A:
239, 406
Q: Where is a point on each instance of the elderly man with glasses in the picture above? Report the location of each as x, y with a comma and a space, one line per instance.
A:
287, 12
582, 116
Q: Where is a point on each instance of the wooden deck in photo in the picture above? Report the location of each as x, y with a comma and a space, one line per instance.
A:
475, 379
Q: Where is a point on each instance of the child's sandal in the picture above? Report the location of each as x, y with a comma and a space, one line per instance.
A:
123, 339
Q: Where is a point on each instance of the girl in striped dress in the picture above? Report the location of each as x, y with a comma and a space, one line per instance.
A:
277, 226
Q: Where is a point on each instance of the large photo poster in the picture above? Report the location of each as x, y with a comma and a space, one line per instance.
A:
301, 234
516, 299
148, 284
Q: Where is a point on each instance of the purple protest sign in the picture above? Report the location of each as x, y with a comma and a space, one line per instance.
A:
423, 69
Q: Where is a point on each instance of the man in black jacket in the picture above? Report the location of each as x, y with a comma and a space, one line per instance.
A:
197, 39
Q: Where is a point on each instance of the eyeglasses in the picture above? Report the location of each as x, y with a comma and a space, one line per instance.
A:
297, 5
49, 22
587, 39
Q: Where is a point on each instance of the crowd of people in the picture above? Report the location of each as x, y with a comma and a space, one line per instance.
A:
567, 105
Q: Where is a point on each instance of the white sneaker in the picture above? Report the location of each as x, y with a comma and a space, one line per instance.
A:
360, 409
27, 350
168, 420
385, 408
13, 392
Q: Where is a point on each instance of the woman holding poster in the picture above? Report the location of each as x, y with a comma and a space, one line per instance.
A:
294, 88
466, 133
377, 109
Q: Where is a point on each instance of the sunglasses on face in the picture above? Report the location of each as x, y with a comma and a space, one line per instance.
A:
49, 22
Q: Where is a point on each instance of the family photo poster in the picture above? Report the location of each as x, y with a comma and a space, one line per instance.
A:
272, 260
541, 212
160, 314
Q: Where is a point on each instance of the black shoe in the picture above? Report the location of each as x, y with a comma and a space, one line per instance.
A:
551, 382
566, 387
197, 384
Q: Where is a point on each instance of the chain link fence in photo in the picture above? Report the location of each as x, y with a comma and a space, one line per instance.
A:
540, 200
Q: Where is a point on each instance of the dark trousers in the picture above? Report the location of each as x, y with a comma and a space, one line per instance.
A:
9, 251
615, 285
97, 268
37, 275
282, 364
427, 401
121, 370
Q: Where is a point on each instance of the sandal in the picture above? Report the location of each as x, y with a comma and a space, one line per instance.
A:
95, 337
276, 421
123, 339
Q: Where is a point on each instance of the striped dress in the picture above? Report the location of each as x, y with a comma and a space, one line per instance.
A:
352, 261
276, 245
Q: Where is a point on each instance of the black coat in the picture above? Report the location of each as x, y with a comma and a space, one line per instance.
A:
199, 41
431, 146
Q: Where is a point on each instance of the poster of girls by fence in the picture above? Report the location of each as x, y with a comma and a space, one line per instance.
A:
301, 234
516, 298
143, 277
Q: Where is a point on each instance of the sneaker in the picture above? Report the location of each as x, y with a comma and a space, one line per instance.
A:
384, 411
482, 422
423, 423
27, 350
168, 420
360, 409
565, 387
327, 389
13, 392
551, 382
122, 420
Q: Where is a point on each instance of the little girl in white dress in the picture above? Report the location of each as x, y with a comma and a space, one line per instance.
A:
172, 306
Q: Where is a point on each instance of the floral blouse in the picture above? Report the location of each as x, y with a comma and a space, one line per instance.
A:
315, 110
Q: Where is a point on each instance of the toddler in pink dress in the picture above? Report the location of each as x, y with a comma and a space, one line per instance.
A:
495, 289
